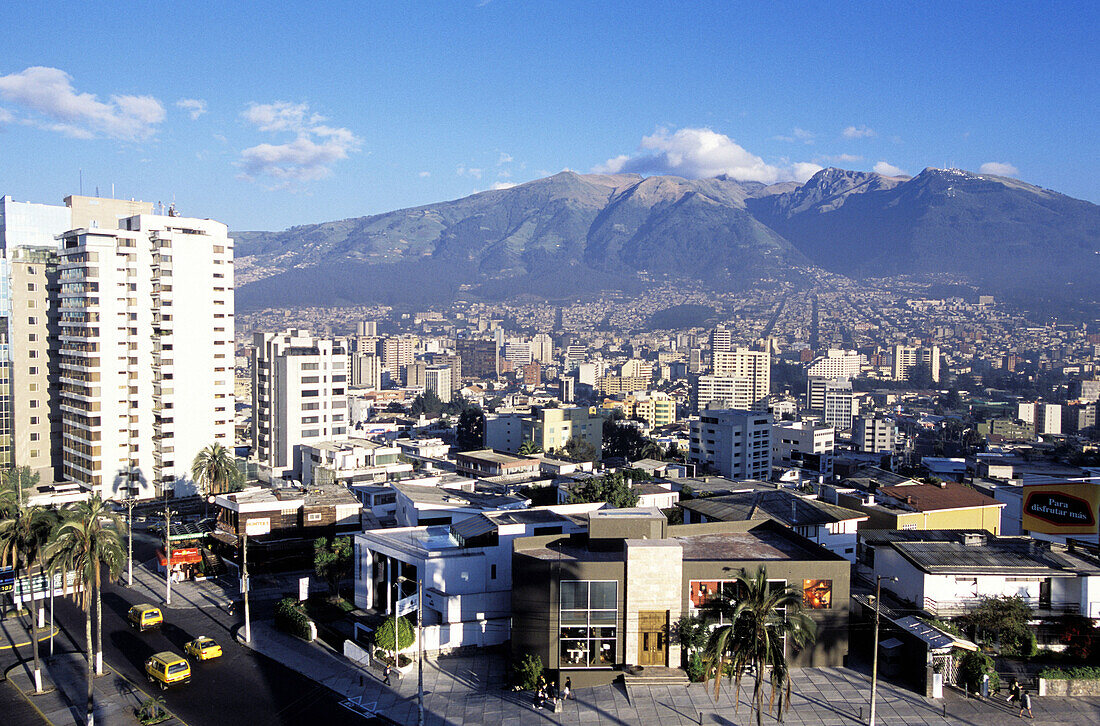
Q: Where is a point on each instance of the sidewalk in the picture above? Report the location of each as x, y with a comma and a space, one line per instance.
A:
214, 593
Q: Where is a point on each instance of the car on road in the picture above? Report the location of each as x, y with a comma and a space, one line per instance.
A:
203, 648
145, 616
167, 669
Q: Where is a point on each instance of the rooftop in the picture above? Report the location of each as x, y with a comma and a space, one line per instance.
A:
945, 495
947, 552
490, 456
459, 499
780, 505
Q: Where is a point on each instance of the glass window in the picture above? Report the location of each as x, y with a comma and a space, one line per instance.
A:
587, 617
574, 595
817, 594
602, 596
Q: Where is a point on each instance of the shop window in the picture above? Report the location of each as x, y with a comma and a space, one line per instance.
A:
817, 594
588, 609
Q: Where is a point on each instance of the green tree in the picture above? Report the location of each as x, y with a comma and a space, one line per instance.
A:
470, 429
626, 441
15, 483
526, 672
756, 621
215, 471
1004, 619
529, 448
332, 561
93, 551
578, 449
383, 637
610, 488
23, 539
972, 666
427, 403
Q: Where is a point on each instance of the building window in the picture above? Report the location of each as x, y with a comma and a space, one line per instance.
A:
588, 609
817, 594
313, 517
492, 572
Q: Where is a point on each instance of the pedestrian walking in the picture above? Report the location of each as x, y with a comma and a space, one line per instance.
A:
1013, 692
567, 691
985, 685
386, 673
1025, 705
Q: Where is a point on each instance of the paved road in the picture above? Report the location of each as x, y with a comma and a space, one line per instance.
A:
240, 687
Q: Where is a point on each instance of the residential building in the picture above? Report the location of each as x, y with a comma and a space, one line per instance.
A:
480, 358
947, 574
917, 505
905, 357
350, 461
542, 348
366, 370
552, 428
656, 408
828, 525
413, 374
722, 392
721, 340
1085, 391
751, 365
518, 354
734, 443
835, 364
532, 374
874, 434
420, 506
611, 385
841, 404
397, 353
588, 607
299, 385
491, 463
803, 444
133, 421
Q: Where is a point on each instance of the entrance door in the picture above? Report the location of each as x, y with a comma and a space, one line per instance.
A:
653, 638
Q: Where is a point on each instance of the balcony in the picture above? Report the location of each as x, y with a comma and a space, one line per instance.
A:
1040, 607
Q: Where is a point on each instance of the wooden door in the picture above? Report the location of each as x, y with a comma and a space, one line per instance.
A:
653, 638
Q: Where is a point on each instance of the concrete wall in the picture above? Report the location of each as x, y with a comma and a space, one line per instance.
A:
654, 579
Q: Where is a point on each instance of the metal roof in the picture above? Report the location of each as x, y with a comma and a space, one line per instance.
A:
783, 506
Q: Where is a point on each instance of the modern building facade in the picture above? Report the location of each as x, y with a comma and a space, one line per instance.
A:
804, 444
132, 419
735, 443
874, 434
299, 385
480, 358
753, 366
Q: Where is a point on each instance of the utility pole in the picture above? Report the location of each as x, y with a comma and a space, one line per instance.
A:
130, 502
420, 649
874, 658
244, 586
167, 555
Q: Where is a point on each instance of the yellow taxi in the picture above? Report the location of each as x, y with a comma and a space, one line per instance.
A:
145, 616
167, 669
203, 648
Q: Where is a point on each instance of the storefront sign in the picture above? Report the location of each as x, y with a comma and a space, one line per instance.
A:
1069, 508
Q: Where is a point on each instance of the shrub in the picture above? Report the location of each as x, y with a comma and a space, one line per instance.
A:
697, 668
972, 666
1065, 674
383, 637
527, 671
291, 618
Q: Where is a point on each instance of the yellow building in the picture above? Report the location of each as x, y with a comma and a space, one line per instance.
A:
944, 505
552, 428
654, 407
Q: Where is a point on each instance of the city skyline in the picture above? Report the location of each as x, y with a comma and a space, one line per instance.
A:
358, 112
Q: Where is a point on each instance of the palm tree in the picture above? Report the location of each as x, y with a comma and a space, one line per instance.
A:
23, 538
215, 471
529, 448
759, 619
94, 552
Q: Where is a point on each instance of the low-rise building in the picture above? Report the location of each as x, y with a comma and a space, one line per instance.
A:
735, 443
353, 460
589, 607
421, 506
917, 505
803, 444
489, 463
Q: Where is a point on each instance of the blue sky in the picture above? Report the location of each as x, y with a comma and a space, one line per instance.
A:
269, 115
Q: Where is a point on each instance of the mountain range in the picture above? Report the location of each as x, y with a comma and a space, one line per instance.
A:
570, 235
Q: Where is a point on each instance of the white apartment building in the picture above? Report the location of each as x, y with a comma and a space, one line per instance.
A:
835, 364
721, 340
518, 353
835, 400
299, 396
130, 300
804, 444
874, 434
542, 348
753, 366
366, 370
723, 392
905, 357
736, 443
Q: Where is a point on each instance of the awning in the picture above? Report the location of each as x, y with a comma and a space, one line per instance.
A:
182, 556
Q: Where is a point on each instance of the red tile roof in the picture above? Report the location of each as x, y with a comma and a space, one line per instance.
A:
931, 497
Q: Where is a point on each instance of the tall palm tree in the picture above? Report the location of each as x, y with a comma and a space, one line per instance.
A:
94, 552
215, 470
23, 538
758, 620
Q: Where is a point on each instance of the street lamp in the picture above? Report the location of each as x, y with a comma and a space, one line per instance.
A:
874, 659
419, 643
130, 501
167, 555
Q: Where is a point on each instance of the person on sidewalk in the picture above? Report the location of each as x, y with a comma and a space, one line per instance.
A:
386, 674
567, 691
1013, 692
1025, 705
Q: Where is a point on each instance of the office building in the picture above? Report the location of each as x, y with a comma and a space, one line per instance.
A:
398, 353
480, 358
518, 354
366, 370
367, 328
734, 443
906, 357
133, 420
542, 348
723, 392
753, 366
437, 379
414, 374
454, 362
834, 400
32, 225
299, 385
567, 389
721, 340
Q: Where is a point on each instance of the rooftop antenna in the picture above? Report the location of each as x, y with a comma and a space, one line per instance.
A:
97, 190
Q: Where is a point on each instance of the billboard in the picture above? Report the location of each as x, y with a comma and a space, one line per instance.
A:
1068, 508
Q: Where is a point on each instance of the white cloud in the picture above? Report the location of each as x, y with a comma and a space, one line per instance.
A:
802, 171
194, 107
463, 170
887, 169
424, 174
503, 185
49, 94
858, 132
308, 157
998, 168
5, 116
504, 159
700, 153
844, 158
806, 137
